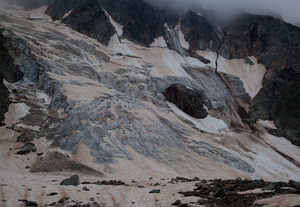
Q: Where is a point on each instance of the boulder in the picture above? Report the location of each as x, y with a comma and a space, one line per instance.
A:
26, 149
271, 186
220, 193
155, 191
73, 180
295, 184
176, 203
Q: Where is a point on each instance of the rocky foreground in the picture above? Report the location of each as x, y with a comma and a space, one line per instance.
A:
209, 193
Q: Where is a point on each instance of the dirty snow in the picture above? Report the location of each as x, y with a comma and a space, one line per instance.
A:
15, 112
208, 124
251, 75
118, 27
159, 42
209, 55
267, 124
183, 42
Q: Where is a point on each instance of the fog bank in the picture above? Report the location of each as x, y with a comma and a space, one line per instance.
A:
287, 9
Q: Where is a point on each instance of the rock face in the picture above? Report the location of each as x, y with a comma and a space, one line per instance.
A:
279, 101
59, 8
4, 100
90, 19
199, 32
276, 44
141, 22
187, 99
7, 69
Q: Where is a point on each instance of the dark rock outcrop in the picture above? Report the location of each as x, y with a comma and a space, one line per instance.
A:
199, 32
60, 7
4, 100
7, 69
279, 101
236, 87
73, 180
276, 44
141, 22
26, 149
155, 191
90, 19
188, 100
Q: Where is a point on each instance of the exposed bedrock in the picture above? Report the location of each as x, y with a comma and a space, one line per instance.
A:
142, 23
8, 71
199, 33
4, 99
60, 7
279, 101
90, 19
276, 44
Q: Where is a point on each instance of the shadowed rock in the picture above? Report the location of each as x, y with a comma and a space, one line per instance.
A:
155, 191
188, 100
90, 19
73, 180
26, 149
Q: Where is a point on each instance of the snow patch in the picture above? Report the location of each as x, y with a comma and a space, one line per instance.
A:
209, 55
45, 97
67, 14
272, 165
267, 124
209, 124
34, 128
39, 14
159, 42
183, 42
16, 112
251, 75
118, 27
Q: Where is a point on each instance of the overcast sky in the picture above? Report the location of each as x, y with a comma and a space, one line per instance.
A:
288, 9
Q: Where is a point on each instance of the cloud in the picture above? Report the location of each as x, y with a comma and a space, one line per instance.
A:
25, 3
288, 9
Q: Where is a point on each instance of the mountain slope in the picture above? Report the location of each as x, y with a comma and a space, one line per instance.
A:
119, 108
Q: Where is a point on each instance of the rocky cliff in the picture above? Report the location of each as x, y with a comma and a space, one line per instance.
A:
276, 44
